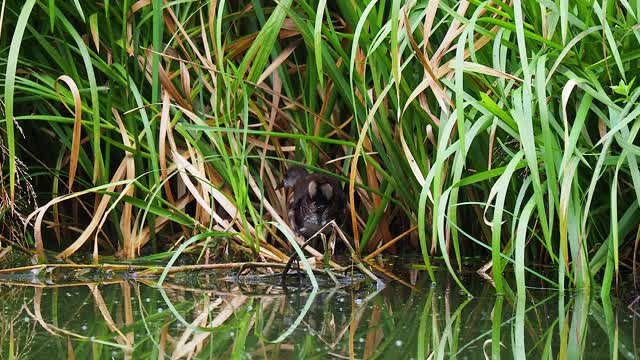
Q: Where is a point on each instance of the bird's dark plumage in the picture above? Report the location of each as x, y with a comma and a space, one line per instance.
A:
313, 200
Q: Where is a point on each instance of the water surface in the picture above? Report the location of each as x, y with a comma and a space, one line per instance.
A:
202, 316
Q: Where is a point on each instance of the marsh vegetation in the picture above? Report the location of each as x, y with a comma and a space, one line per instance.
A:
144, 131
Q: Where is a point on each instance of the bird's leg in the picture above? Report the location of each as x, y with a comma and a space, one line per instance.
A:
294, 257
288, 266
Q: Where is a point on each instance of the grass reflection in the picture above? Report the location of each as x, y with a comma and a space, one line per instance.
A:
197, 317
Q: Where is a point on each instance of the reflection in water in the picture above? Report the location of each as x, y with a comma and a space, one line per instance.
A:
194, 317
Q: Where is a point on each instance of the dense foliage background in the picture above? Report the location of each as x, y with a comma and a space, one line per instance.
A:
489, 128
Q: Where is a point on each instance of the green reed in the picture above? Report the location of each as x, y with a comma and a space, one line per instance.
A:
515, 124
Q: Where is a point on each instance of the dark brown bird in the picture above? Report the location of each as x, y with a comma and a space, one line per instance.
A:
313, 200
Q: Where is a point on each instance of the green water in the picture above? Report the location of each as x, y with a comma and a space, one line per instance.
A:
203, 317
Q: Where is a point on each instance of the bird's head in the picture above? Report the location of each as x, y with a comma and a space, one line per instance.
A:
291, 177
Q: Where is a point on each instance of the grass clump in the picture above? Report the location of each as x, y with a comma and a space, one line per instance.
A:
492, 128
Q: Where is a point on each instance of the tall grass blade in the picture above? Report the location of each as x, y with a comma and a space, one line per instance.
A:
9, 90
